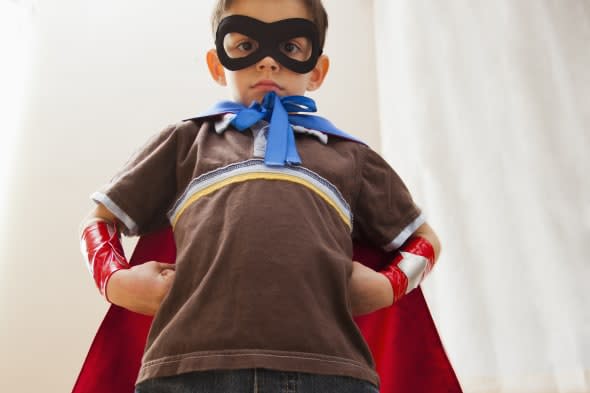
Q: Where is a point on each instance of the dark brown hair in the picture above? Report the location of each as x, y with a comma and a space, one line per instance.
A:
315, 8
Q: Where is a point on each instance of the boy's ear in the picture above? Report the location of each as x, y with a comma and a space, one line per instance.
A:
216, 70
318, 73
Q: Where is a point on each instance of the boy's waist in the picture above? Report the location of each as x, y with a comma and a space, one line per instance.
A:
288, 361
257, 323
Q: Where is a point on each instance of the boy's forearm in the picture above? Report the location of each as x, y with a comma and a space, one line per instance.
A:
101, 247
369, 290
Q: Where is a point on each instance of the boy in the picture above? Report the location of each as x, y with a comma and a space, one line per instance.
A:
264, 288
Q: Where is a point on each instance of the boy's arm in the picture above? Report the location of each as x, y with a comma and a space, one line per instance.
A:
371, 290
386, 215
139, 288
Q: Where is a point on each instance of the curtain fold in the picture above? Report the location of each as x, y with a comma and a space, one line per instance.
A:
485, 113
16, 44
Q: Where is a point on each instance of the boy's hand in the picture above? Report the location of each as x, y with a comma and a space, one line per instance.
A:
141, 288
368, 290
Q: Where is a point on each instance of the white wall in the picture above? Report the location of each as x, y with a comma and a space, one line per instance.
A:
103, 76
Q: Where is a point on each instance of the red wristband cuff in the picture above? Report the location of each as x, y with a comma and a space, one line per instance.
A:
398, 280
398, 275
103, 252
419, 246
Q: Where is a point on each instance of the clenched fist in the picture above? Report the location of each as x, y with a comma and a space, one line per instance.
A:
141, 288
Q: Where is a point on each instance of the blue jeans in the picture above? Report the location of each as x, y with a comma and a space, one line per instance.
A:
254, 381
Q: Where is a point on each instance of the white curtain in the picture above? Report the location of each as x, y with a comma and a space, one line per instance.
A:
485, 112
16, 44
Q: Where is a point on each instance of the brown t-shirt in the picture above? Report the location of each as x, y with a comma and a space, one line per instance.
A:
264, 254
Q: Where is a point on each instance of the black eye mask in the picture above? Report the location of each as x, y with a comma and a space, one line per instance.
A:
269, 39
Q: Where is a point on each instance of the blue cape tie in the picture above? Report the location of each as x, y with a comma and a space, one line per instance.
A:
277, 111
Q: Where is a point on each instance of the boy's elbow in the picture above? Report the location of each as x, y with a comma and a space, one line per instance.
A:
99, 213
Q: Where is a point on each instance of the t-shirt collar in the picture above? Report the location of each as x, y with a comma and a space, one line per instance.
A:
223, 123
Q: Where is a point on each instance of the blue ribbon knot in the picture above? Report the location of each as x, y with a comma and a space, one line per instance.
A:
280, 145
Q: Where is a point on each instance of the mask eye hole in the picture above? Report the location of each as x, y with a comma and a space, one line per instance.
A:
298, 48
238, 45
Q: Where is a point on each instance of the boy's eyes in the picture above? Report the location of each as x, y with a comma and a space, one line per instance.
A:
290, 47
247, 46
297, 48
238, 45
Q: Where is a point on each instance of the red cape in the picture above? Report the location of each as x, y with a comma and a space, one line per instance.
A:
408, 352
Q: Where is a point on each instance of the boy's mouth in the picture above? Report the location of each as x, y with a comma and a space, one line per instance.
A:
267, 85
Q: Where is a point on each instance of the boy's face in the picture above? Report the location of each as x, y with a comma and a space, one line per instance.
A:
253, 82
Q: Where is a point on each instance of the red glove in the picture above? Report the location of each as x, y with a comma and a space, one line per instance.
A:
413, 262
101, 247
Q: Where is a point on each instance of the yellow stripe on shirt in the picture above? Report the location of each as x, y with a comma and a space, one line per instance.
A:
260, 176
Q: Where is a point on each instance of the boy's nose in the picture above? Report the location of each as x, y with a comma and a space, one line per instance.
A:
267, 63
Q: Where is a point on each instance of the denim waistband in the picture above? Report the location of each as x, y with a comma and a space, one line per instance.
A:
255, 381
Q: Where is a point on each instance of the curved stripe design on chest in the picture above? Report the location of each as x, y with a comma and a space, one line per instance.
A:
210, 182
